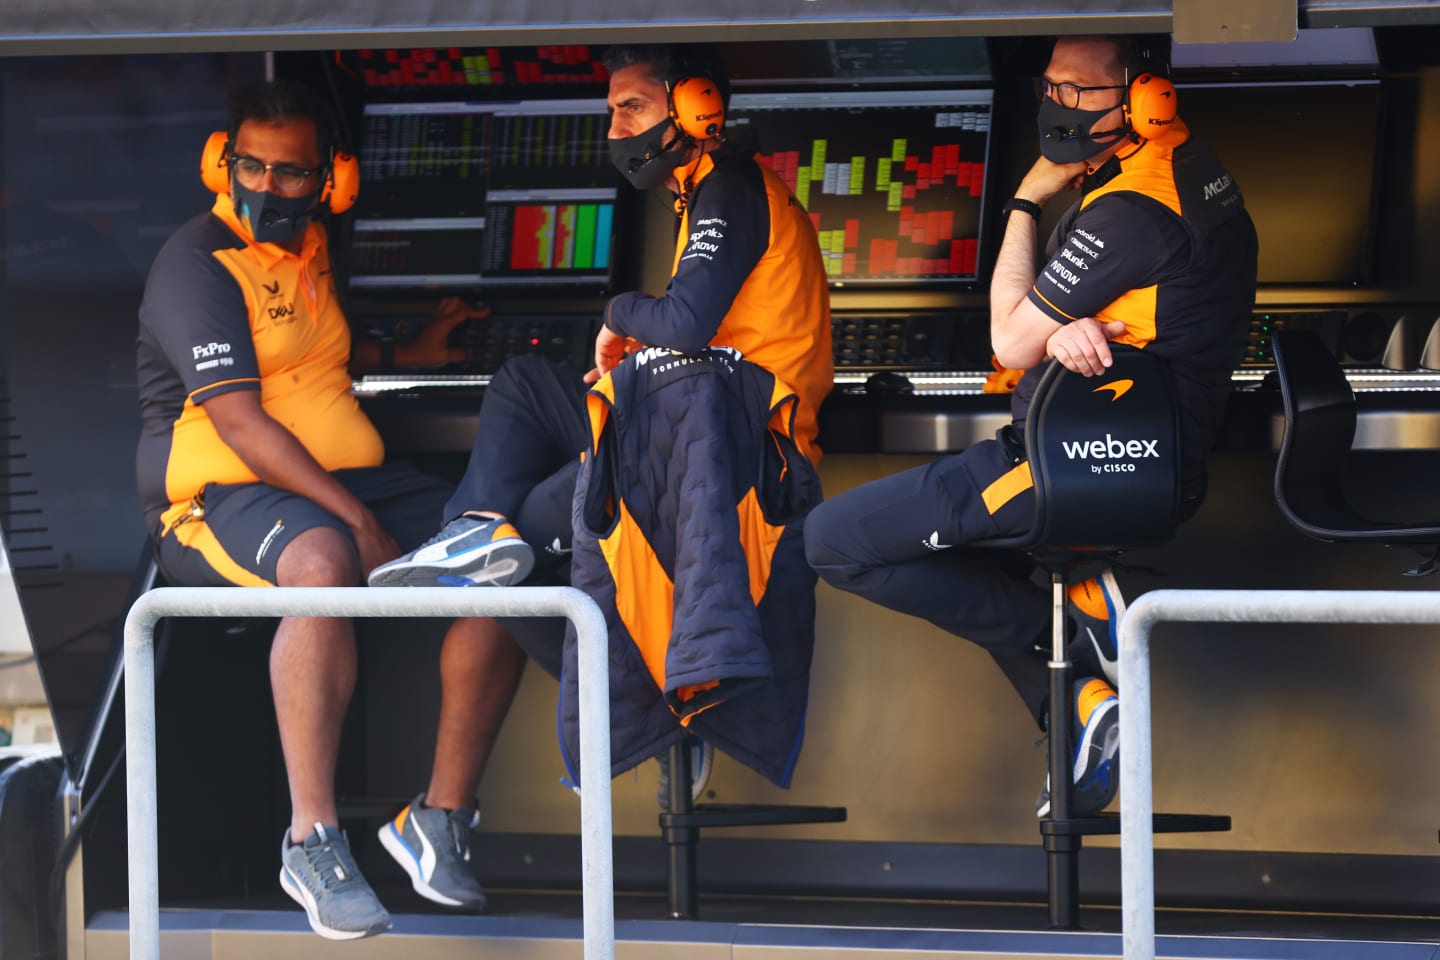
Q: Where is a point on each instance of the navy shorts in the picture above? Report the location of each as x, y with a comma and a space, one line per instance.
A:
235, 533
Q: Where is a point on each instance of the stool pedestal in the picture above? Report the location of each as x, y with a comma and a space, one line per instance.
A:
681, 827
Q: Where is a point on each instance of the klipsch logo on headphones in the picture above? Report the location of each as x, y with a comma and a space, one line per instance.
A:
277, 307
708, 116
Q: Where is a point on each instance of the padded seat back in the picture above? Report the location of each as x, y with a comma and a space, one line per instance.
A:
1319, 431
1105, 455
1320, 419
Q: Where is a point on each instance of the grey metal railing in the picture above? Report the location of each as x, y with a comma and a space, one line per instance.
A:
597, 867
1137, 843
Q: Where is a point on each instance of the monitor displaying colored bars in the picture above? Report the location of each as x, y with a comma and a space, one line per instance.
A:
472, 194
894, 181
490, 67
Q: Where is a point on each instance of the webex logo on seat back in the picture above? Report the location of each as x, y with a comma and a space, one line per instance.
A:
1117, 454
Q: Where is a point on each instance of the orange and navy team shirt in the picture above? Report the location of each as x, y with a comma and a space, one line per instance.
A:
1161, 241
747, 274
224, 313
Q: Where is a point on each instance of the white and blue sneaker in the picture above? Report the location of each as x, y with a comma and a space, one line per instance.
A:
320, 875
433, 846
1096, 724
468, 551
1096, 606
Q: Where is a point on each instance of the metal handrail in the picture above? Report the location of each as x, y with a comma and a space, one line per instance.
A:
597, 868
1137, 843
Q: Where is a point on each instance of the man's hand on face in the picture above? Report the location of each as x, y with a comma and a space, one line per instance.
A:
610, 349
1047, 178
1082, 346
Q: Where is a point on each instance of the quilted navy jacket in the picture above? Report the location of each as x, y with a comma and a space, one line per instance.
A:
687, 518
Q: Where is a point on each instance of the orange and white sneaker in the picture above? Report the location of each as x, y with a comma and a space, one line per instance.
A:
469, 551
1096, 723
1096, 606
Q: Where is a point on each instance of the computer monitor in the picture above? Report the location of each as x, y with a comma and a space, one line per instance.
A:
483, 195
894, 180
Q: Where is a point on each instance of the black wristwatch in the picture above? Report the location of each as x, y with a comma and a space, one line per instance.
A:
1018, 203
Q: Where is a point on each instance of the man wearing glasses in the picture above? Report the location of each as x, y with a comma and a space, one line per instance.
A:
258, 468
1159, 253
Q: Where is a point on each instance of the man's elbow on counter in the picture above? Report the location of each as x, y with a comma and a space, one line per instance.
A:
1013, 355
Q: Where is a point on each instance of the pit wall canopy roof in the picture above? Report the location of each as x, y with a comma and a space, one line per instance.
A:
164, 26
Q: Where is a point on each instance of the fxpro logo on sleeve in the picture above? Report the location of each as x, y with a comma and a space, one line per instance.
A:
212, 354
1112, 455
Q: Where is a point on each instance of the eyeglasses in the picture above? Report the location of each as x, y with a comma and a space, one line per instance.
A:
251, 172
1067, 94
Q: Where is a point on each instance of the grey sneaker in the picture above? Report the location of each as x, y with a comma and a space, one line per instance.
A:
320, 875
702, 761
467, 552
433, 846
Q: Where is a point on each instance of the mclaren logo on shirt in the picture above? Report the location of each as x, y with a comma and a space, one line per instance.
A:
1217, 186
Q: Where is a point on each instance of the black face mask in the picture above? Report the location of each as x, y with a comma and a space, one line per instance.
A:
1066, 135
645, 159
272, 218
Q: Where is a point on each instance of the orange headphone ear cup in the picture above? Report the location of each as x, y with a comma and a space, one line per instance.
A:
343, 185
214, 171
1151, 105
697, 107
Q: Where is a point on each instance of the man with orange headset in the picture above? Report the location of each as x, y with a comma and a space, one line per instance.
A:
1159, 252
747, 274
258, 468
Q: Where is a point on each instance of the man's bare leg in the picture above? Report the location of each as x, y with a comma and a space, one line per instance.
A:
480, 670
312, 674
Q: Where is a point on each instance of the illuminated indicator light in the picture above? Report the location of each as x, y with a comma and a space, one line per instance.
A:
817, 154
894, 200
534, 341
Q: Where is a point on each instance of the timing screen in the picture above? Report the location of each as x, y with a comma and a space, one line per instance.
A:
894, 181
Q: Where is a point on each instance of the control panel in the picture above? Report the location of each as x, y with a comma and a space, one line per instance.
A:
488, 343
492, 341
903, 340
1395, 337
